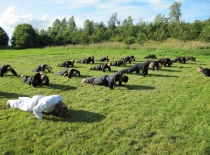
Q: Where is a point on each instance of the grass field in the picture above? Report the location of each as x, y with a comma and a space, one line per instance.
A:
166, 112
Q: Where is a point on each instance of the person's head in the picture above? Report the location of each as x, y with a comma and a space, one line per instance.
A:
74, 73
23, 76
72, 61
125, 78
92, 57
9, 68
199, 69
65, 73
49, 68
109, 63
61, 109
44, 77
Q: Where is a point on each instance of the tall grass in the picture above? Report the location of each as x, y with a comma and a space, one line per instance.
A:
166, 112
152, 45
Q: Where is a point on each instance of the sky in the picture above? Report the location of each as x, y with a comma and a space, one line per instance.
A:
42, 13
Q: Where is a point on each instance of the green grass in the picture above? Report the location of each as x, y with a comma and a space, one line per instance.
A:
166, 112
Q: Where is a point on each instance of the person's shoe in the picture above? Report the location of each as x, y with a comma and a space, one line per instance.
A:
8, 105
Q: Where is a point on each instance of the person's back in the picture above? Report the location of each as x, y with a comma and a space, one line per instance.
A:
206, 71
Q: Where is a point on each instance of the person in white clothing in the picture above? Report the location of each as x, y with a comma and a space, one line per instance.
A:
39, 103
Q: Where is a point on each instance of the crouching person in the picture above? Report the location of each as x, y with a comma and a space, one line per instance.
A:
102, 67
108, 81
42, 68
106, 58
68, 72
66, 64
40, 104
37, 80
5, 68
154, 64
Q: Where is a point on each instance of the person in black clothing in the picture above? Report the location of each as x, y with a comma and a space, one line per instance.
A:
144, 68
150, 56
106, 58
5, 68
131, 69
129, 59
118, 63
154, 64
36, 80
108, 81
205, 71
165, 61
180, 60
102, 67
87, 60
141, 67
191, 58
42, 68
68, 72
66, 64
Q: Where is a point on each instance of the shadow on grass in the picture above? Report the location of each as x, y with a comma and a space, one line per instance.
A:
138, 87
198, 64
161, 75
60, 86
11, 75
11, 95
79, 116
86, 76
171, 70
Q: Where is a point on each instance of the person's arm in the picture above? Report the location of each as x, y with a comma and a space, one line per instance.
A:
103, 68
120, 83
111, 84
3, 70
14, 72
47, 81
78, 72
67, 64
37, 111
36, 79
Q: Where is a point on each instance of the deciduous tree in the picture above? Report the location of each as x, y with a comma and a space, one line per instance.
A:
24, 36
175, 12
4, 39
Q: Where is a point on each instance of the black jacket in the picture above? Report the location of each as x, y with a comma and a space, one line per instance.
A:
112, 79
66, 64
3, 70
102, 67
40, 68
35, 80
206, 71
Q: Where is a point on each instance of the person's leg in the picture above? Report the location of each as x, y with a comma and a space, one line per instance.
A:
22, 103
88, 80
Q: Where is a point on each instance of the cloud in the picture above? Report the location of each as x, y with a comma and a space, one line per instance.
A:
11, 18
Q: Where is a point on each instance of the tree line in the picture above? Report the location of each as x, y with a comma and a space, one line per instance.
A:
65, 32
